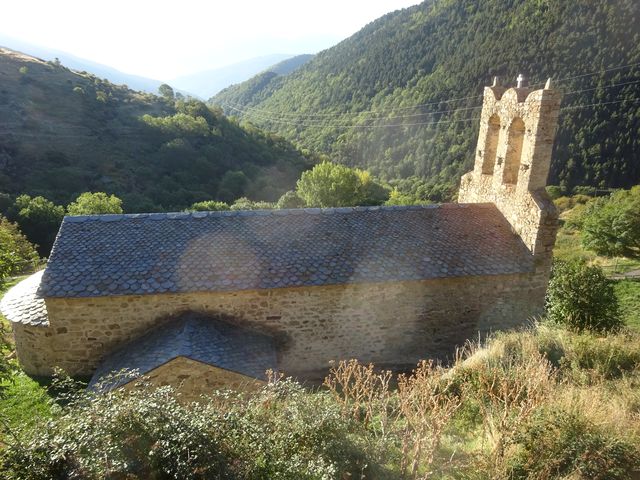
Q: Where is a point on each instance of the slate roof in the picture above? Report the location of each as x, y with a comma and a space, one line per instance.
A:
243, 250
22, 304
199, 338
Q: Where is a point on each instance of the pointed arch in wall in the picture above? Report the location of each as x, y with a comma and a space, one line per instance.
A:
491, 145
514, 152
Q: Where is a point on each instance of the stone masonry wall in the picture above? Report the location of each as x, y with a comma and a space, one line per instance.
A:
525, 203
193, 379
390, 324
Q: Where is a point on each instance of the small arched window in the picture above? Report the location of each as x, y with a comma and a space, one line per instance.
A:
491, 145
514, 152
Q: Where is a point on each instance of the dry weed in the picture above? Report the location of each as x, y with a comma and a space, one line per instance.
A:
510, 390
363, 393
426, 405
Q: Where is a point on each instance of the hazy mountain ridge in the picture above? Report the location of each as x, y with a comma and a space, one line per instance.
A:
442, 50
136, 82
290, 65
209, 82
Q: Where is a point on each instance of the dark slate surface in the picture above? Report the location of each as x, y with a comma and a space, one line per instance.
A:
199, 338
22, 304
221, 251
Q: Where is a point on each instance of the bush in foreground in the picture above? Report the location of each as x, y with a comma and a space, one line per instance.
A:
543, 403
582, 298
281, 432
560, 444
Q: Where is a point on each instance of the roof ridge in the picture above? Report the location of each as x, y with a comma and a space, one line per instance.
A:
111, 217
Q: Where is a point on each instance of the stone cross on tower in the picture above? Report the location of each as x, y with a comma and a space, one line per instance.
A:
513, 157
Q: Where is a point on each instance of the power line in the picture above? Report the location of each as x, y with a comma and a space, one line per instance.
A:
392, 109
603, 87
573, 107
324, 125
596, 72
328, 125
319, 123
298, 115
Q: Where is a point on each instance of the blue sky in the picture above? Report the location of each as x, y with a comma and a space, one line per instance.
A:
166, 39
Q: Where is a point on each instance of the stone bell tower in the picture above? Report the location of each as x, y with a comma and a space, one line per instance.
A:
512, 160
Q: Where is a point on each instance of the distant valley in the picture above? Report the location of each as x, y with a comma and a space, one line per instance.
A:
207, 83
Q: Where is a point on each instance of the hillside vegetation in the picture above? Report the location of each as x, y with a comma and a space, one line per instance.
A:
64, 133
539, 404
442, 50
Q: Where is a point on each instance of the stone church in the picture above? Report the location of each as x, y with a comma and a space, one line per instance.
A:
205, 299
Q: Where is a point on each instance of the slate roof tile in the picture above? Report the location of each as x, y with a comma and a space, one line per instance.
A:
22, 304
198, 337
223, 251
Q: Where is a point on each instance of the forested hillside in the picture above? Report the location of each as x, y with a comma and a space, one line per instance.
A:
289, 65
63, 133
401, 96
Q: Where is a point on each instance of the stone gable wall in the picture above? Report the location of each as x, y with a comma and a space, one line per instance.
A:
193, 379
390, 324
525, 203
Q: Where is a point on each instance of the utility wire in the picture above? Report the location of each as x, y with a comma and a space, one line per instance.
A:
319, 123
392, 109
328, 125
596, 72
438, 122
574, 107
297, 115
603, 87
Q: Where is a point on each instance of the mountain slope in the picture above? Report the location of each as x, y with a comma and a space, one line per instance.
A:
442, 50
135, 82
289, 65
63, 133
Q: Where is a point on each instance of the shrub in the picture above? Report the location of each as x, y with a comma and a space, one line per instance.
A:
243, 203
554, 191
281, 432
95, 203
560, 444
612, 226
16, 253
582, 298
610, 358
39, 219
398, 198
208, 206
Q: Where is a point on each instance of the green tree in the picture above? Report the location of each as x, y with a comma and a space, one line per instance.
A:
208, 206
290, 200
243, 203
232, 185
611, 226
166, 91
334, 185
582, 298
39, 219
17, 254
370, 192
179, 125
90, 203
398, 198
